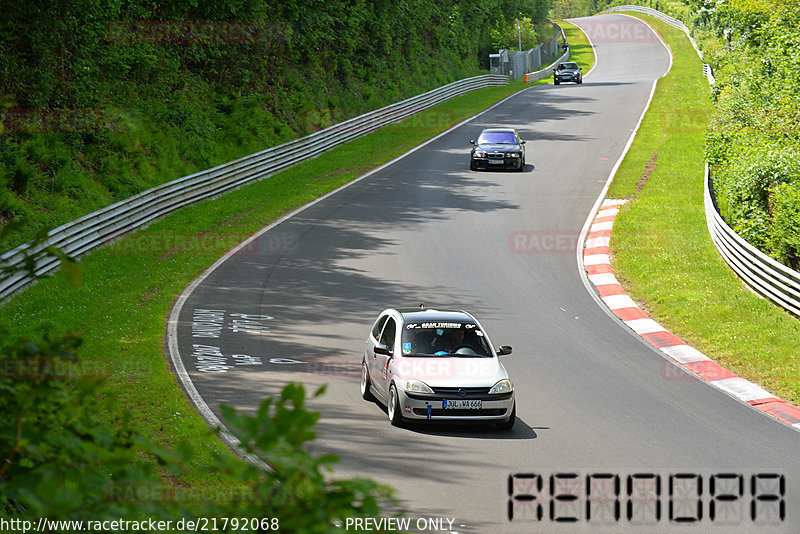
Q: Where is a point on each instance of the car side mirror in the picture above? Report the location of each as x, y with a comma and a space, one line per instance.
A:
382, 349
504, 350
522, 142
472, 141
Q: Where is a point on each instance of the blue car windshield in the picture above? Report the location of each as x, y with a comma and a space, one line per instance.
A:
444, 339
497, 138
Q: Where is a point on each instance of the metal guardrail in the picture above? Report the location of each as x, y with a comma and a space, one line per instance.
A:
108, 224
762, 274
675, 23
544, 73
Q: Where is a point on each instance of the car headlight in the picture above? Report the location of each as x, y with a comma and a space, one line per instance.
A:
512, 155
504, 386
480, 154
415, 386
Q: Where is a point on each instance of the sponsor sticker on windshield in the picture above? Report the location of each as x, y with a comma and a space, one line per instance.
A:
440, 325
406, 348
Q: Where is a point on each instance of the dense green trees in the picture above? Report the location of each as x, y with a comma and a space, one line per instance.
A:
101, 99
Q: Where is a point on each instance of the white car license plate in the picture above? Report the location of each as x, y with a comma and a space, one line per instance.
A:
461, 404
495, 161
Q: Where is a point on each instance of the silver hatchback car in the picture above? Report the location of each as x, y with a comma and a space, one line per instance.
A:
436, 365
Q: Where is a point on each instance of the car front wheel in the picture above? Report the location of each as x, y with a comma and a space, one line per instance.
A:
393, 409
509, 423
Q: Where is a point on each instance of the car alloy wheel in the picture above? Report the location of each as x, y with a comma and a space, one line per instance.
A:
366, 394
393, 409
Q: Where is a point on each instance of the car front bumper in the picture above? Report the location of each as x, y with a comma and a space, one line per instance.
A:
568, 78
496, 163
416, 407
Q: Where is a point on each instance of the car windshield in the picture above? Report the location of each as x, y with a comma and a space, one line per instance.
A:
497, 138
444, 339
568, 66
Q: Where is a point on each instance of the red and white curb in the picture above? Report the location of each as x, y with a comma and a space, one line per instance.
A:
598, 269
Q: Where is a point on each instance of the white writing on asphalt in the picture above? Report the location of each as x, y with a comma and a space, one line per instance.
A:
209, 359
209, 323
249, 324
245, 359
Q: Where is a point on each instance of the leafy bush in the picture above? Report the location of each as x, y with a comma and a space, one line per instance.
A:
786, 222
743, 184
746, 193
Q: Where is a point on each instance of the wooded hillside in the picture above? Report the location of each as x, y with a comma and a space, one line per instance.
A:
101, 99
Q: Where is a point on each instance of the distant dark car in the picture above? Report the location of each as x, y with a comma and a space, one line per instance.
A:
567, 72
498, 148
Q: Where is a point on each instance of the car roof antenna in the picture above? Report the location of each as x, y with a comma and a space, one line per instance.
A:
421, 305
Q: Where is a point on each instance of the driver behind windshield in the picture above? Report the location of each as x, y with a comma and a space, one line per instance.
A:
453, 342
463, 340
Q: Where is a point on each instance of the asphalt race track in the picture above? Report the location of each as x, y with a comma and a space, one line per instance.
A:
592, 399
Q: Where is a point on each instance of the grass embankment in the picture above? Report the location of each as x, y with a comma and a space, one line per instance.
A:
120, 309
50, 178
662, 250
122, 96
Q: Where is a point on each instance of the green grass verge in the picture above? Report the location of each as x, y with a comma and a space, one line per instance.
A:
128, 288
662, 251
580, 50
